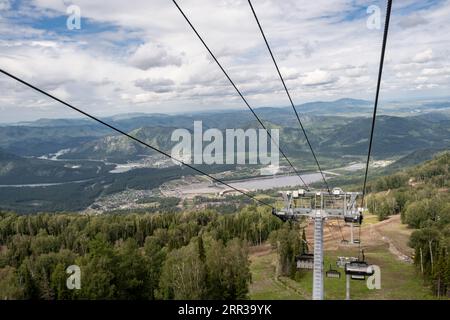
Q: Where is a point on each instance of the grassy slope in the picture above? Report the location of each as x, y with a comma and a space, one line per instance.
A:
264, 283
399, 280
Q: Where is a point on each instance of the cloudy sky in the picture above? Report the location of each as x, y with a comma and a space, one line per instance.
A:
141, 55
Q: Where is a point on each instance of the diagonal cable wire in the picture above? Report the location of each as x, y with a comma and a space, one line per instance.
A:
289, 95
238, 91
380, 72
129, 136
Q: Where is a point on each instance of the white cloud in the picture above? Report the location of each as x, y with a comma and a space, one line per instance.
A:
155, 85
290, 73
5, 5
61, 93
412, 21
146, 53
356, 71
317, 77
151, 55
436, 71
424, 56
421, 80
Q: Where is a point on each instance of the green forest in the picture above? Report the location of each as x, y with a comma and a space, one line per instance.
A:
195, 255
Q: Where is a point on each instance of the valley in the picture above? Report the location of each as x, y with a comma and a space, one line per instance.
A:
42, 160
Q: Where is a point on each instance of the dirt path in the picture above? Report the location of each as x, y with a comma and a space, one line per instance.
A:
390, 231
261, 250
396, 235
392, 247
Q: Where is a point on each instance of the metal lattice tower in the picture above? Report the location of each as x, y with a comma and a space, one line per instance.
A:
319, 206
318, 257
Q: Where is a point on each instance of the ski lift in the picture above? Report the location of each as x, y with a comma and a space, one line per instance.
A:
358, 270
342, 261
283, 216
332, 273
305, 261
355, 218
351, 219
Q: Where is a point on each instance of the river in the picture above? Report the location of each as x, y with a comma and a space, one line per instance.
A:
36, 185
205, 187
250, 184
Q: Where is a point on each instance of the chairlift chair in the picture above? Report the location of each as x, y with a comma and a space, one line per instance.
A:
354, 218
283, 216
351, 219
358, 270
333, 273
357, 277
342, 261
305, 261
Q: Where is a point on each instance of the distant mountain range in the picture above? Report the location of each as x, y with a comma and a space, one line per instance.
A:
331, 135
343, 107
393, 136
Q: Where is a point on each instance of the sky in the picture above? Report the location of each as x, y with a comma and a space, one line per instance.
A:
142, 56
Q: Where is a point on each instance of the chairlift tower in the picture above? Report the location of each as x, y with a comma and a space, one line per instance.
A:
318, 256
319, 206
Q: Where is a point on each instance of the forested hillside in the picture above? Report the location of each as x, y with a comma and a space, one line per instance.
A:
421, 196
152, 256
